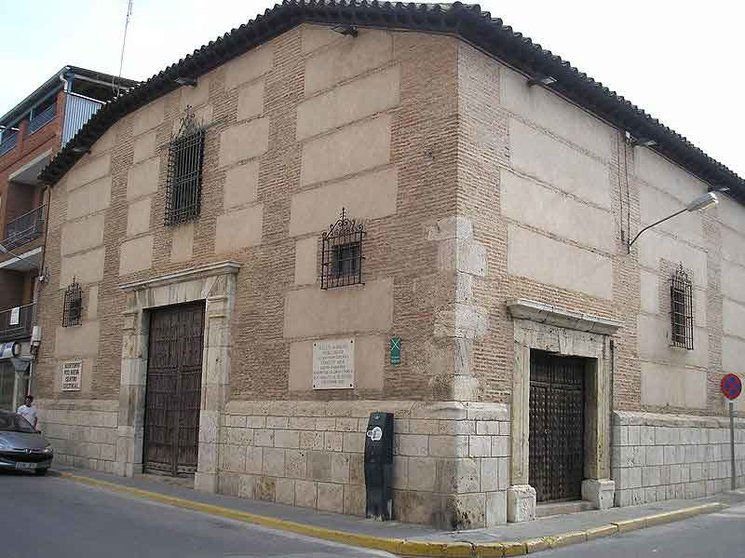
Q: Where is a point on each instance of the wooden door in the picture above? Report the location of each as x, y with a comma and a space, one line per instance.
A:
557, 426
174, 389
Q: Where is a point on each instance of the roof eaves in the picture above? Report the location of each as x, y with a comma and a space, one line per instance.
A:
465, 21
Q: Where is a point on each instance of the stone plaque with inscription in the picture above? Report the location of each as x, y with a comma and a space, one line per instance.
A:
333, 364
71, 376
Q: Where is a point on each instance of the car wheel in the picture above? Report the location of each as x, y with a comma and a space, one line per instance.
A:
40, 472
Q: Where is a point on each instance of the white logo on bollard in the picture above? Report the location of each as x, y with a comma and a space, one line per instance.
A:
375, 434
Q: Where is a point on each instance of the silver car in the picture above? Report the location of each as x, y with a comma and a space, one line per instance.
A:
22, 448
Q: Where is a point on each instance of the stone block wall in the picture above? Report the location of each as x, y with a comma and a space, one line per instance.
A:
81, 431
451, 464
659, 457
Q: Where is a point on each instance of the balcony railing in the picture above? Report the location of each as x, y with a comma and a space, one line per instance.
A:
78, 110
24, 229
42, 119
9, 141
16, 323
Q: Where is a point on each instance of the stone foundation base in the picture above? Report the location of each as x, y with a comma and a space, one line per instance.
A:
600, 492
662, 457
450, 465
82, 431
520, 503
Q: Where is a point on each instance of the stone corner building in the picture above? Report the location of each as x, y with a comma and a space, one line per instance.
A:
256, 225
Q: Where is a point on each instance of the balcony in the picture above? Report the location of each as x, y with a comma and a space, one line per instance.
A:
9, 141
24, 229
78, 110
16, 323
38, 121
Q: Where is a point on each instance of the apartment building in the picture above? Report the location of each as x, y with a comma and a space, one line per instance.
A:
30, 135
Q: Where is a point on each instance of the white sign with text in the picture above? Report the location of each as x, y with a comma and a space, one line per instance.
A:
71, 372
15, 316
333, 364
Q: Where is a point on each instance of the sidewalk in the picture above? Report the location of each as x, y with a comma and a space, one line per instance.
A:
410, 540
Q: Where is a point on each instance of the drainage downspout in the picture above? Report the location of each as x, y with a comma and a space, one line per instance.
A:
612, 381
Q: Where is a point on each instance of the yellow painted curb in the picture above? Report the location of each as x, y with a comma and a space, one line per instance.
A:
489, 550
629, 525
667, 517
394, 546
566, 539
426, 548
536, 545
603, 531
514, 548
402, 547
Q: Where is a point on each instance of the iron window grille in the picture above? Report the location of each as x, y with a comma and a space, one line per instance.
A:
184, 182
73, 306
341, 253
681, 309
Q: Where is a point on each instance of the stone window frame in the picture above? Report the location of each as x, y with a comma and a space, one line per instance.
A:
539, 326
215, 284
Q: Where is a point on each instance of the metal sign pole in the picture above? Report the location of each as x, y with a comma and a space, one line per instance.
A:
732, 442
731, 387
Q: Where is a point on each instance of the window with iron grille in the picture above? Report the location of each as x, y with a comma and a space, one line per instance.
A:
681, 309
73, 308
341, 253
184, 182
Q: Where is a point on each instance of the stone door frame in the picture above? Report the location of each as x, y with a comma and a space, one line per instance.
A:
215, 284
559, 331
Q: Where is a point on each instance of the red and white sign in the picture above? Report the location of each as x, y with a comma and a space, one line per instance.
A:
731, 386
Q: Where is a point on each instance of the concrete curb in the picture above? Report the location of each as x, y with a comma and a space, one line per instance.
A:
403, 547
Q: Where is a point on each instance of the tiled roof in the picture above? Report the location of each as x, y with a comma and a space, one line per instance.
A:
465, 21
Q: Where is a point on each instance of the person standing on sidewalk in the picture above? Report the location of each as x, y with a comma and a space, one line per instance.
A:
28, 411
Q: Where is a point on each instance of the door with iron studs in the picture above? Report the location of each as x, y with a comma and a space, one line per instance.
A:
174, 389
557, 426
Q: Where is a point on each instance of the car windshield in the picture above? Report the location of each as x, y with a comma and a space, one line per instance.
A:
11, 422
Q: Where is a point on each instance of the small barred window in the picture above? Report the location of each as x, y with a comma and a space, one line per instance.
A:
73, 308
681, 309
341, 253
184, 182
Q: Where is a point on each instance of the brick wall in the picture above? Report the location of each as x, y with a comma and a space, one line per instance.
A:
28, 148
422, 151
445, 251
587, 206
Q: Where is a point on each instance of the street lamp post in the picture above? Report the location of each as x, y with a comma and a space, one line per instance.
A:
705, 201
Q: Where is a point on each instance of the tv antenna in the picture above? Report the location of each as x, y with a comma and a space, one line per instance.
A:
124, 43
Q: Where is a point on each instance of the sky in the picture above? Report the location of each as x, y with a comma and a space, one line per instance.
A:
680, 61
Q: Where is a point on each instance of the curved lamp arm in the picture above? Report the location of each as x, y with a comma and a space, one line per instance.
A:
707, 200
654, 225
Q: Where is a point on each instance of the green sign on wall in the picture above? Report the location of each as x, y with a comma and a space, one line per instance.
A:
395, 350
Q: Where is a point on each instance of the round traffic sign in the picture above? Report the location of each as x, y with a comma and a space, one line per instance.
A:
731, 386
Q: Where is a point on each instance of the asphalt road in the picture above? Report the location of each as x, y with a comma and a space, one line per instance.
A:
45, 517
716, 535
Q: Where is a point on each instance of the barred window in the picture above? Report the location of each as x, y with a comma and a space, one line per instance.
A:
184, 182
681, 309
341, 253
73, 305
